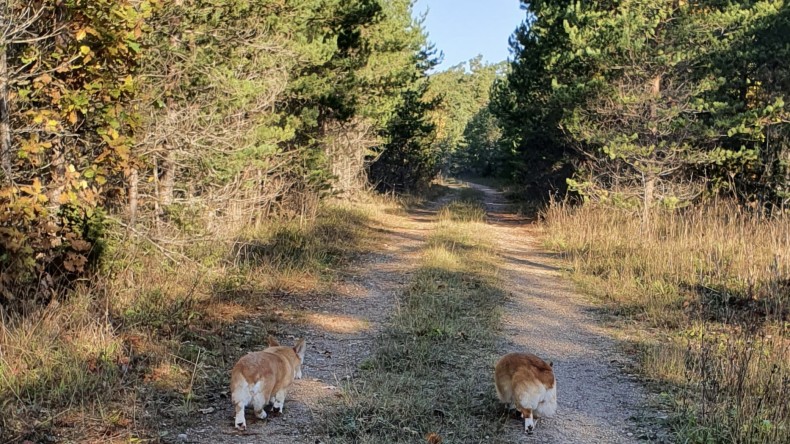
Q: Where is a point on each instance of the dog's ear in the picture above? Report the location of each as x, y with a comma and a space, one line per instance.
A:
299, 348
271, 341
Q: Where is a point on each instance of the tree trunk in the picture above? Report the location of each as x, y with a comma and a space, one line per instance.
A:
133, 193
5, 119
649, 177
167, 178
57, 180
655, 96
650, 186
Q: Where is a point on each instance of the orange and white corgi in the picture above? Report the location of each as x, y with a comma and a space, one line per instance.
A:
526, 382
263, 377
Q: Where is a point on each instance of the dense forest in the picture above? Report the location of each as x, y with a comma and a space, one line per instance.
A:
136, 112
196, 136
650, 103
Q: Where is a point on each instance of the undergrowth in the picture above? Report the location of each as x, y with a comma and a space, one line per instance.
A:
710, 291
151, 337
430, 371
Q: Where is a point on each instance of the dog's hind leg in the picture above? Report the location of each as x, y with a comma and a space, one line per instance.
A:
258, 403
529, 420
279, 400
241, 397
528, 400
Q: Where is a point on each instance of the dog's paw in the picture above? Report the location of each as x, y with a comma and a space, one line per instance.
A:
529, 429
241, 426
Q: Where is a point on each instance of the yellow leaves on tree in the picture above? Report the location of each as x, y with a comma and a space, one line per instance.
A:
72, 125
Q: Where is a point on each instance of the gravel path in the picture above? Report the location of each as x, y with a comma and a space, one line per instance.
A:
545, 316
339, 329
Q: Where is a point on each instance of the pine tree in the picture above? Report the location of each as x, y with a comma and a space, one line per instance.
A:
463, 91
642, 90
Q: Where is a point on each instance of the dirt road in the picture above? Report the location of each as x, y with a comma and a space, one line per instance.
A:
544, 315
339, 330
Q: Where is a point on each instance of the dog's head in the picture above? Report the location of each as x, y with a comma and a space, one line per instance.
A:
299, 349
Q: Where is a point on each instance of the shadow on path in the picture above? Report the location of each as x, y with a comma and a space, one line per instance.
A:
339, 328
545, 316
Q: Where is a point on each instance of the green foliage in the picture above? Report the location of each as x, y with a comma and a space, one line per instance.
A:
464, 91
71, 83
526, 105
663, 99
430, 129
483, 152
173, 108
408, 161
749, 83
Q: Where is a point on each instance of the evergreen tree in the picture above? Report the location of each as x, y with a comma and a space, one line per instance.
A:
529, 110
747, 103
463, 91
408, 160
482, 152
641, 91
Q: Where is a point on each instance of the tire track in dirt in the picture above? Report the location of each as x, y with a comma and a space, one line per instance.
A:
544, 315
340, 330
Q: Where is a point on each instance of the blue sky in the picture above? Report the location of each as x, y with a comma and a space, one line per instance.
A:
463, 29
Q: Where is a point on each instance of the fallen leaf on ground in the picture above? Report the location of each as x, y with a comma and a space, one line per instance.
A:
433, 438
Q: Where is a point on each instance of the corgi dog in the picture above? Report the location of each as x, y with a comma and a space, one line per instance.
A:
262, 377
526, 382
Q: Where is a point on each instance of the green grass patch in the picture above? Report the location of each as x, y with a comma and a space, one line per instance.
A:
332, 238
431, 371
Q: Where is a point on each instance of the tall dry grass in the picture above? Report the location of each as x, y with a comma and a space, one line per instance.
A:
710, 290
151, 334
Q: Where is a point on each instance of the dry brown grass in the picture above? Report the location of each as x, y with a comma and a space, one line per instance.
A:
61, 355
150, 335
710, 289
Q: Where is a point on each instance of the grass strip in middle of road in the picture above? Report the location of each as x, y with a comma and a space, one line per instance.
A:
431, 371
